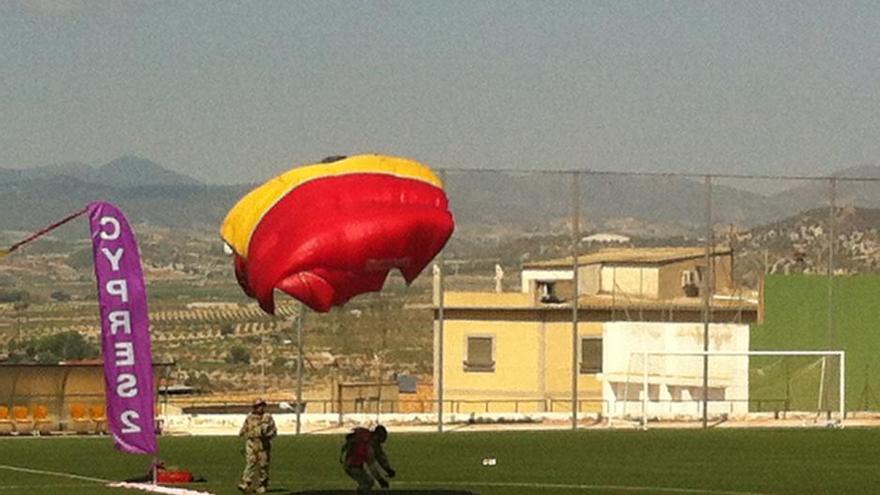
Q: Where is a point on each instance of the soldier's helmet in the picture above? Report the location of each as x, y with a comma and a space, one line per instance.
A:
381, 433
258, 403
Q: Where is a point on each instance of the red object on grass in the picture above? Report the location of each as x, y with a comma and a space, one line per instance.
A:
172, 477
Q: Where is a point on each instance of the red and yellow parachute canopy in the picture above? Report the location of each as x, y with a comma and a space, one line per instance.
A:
327, 232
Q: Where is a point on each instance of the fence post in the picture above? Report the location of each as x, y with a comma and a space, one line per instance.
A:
439, 294
707, 295
299, 365
575, 235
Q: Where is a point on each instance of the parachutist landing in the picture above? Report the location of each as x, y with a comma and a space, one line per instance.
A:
364, 459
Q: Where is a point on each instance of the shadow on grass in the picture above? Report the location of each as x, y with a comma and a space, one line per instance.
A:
383, 492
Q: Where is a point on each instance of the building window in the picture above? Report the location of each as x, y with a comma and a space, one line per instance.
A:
690, 282
547, 292
480, 354
591, 355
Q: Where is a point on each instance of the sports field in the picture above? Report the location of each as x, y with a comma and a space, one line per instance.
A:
718, 461
797, 318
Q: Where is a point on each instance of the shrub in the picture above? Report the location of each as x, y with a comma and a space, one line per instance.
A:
238, 355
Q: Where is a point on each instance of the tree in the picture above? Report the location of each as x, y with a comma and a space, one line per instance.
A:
60, 296
198, 381
15, 296
65, 346
239, 355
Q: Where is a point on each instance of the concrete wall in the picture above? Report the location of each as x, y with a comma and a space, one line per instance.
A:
589, 279
675, 382
658, 281
533, 368
544, 275
532, 363
670, 276
636, 281
364, 397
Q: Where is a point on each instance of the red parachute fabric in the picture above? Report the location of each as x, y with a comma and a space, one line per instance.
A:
330, 239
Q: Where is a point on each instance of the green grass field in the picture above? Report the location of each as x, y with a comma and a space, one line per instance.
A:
797, 318
720, 461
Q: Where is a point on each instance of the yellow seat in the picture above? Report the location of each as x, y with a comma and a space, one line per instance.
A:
6, 424
22, 419
99, 417
79, 422
42, 423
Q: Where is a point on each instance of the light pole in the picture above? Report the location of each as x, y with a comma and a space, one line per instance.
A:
299, 365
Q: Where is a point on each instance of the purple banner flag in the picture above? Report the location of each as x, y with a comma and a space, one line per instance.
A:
125, 331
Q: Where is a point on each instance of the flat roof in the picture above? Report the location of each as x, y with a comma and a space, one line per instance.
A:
486, 301
651, 255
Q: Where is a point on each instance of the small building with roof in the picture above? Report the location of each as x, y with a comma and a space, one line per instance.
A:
606, 238
513, 350
62, 397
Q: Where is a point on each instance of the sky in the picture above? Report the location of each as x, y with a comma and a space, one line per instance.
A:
236, 92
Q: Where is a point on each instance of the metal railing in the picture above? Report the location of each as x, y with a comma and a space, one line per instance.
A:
392, 406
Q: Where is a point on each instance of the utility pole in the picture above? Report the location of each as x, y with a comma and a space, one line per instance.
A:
299, 365
575, 234
707, 298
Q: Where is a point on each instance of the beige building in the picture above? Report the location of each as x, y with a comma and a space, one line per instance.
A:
646, 273
512, 351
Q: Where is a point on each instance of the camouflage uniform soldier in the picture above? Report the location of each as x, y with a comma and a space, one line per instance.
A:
364, 459
258, 430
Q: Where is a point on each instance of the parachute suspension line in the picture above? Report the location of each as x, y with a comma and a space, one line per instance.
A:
42, 232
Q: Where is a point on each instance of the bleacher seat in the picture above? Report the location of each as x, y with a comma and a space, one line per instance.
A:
24, 424
42, 423
6, 424
98, 417
79, 421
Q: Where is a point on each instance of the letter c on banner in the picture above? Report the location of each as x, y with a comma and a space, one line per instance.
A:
116, 228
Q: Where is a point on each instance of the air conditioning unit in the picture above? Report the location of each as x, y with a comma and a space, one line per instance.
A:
547, 292
690, 283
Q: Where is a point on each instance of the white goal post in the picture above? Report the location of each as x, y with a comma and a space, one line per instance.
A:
709, 354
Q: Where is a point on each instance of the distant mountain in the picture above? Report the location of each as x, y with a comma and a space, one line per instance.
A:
131, 171
126, 171
30, 204
814, 194
638, 205
76, 170
628, 204
799, 244
484, 203
861, 171
10, 175
72, 169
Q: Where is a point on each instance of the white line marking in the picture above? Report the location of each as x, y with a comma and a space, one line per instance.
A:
636, 489
54, 473
157, 489
31, 487
131, 486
